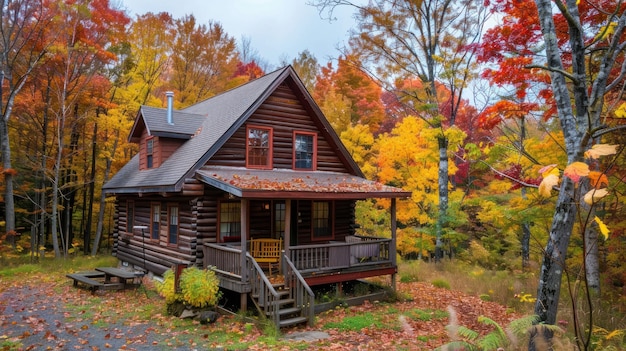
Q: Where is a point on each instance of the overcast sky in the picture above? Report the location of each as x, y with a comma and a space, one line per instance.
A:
277, 29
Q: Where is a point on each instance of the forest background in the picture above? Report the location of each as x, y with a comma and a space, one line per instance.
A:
463, 103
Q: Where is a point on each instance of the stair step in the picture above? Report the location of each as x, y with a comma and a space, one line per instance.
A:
281, 302
289, 310
292, 321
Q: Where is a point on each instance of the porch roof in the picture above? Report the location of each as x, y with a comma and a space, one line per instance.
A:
290, 184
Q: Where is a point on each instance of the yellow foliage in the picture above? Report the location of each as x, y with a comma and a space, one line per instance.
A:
604, 230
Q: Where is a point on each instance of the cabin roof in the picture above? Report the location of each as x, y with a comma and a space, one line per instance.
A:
254, 183
152, 119
210, 124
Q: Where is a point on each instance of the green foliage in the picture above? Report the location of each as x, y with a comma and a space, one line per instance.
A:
198, 288
440, 283
356, 323
426, 315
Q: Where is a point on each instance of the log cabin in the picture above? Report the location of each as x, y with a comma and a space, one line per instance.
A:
258, 162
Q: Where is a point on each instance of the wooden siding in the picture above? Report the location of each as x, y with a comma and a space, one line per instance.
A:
158, 254
167, 146
284, 112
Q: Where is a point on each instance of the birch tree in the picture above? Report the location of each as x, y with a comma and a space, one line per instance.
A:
24, 42
427, 40
580, 93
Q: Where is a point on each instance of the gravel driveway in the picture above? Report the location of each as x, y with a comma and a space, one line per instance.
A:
48, 317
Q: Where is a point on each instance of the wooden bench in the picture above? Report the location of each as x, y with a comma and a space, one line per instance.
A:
266, 252
86, 278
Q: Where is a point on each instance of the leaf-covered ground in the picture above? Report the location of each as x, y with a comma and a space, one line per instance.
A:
47, 313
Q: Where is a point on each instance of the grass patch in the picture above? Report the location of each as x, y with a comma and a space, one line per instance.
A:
365, 320
426, 315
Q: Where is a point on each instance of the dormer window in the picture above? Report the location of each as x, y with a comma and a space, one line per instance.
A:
149, 153
259, 147
304, 151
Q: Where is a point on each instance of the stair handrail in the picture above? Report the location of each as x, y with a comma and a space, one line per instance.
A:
267, 296
299, 290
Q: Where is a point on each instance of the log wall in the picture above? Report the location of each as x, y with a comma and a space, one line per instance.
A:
284, 112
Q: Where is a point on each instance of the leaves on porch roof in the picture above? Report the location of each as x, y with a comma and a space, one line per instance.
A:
322, 183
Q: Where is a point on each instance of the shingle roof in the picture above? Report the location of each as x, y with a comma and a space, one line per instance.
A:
209, 124
222, 114
184, 124
256, 183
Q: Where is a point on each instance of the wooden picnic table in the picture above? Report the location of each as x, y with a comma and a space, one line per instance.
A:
123, 276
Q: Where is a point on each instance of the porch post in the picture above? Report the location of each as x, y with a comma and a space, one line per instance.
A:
392, 249
287, 235
244, 249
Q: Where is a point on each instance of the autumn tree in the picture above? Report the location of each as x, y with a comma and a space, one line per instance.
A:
308, 69
136, 77
25, 40
204, 58
86, 31
429, 40
583, 62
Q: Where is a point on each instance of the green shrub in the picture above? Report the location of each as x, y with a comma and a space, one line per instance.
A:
440, 283
198, 288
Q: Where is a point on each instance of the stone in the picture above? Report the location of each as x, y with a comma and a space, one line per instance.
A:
207, 317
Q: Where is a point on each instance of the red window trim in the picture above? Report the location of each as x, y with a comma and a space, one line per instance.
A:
270, 157
293, 155
153, 154
331, 215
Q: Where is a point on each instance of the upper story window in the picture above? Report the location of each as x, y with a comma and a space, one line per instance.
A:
304, 151
259, 147
149, 153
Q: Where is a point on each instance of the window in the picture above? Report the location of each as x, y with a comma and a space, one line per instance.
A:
172, 233
259, 147
279, 220
155, 224
149, 153
304, 147
322, 227
230, 221
130, 216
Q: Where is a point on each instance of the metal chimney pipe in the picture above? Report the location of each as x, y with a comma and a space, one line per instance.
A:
170, 106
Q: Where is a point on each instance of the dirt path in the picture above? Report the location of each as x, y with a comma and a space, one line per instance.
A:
48, 317
49, 314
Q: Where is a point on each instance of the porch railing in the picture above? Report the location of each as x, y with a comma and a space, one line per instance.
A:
225, 259
299, 290
340, 255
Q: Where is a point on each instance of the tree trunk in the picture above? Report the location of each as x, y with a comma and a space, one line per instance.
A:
92, 184
547, 303
443, 196
9, 203
107, 171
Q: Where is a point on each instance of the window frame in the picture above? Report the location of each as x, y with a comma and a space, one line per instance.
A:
236, 215
150, 153
170, 225
270, 149
329, 221
152, 222
313, 167
130, 217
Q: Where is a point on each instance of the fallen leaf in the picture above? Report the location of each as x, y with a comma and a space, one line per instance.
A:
593, 195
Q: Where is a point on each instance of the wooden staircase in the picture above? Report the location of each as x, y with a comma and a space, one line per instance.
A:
287, 301
289, 314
